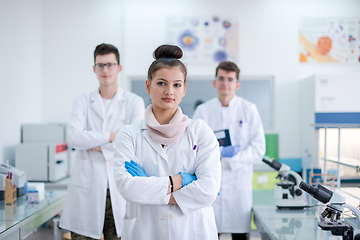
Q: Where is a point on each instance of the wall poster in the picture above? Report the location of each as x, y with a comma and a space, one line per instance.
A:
330, 40
204, 40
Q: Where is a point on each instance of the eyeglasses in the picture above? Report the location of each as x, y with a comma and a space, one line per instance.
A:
221, 79
110, 66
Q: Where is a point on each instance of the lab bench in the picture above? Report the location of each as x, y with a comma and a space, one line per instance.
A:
275, 224
21, 218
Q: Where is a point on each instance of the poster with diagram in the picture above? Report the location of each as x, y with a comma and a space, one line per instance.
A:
330, 40
204, 40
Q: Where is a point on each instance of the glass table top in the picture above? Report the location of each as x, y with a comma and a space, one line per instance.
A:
11, 215
293, 224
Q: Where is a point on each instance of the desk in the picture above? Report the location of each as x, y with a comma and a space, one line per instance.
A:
19, 219
275, 224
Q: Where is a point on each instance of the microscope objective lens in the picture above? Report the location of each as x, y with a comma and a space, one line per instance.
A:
333, 217
325, 212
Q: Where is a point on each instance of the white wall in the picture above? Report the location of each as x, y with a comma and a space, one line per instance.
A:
57, 52
71, 31
20, 67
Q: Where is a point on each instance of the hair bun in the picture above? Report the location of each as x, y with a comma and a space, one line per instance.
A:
168, 51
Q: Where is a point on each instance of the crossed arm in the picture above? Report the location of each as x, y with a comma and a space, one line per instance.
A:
111, 139
178, 181
156, 189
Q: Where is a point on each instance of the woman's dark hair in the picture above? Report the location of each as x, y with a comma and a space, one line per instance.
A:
166, 56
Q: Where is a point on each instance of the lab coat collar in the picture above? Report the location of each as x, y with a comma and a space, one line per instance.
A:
119, 95
231, 102
143, 125
98, 105
156, 146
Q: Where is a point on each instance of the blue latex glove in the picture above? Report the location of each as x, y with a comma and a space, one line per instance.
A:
134, 169
187, 178
230, 151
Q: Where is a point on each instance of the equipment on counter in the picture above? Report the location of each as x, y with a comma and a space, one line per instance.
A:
18, 176
330, 218
31, 133
42, 161
35, 192
48, 133
2, 186
292, 196
43, 153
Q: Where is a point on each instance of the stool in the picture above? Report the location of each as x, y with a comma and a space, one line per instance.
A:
67, 236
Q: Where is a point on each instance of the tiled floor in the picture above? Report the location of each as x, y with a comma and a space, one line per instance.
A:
46, 233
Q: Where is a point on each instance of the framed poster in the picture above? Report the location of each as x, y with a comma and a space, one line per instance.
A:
329, 40
204, 40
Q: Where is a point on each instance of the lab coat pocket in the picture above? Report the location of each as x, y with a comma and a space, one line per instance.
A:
130, 229
81, 173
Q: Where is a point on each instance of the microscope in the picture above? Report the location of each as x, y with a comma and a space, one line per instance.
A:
292, 196
330, 218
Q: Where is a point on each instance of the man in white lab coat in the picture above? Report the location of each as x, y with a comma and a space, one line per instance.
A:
228, 111
93, 204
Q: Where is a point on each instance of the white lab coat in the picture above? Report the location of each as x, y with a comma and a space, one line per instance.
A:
233, 206
148, 214
90, 126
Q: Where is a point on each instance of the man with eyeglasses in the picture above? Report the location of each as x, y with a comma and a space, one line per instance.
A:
246, 144
93, 204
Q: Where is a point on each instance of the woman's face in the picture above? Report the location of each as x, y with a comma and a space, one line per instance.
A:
167, 88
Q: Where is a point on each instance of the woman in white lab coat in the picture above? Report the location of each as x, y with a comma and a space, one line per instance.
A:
161, 203
90, 126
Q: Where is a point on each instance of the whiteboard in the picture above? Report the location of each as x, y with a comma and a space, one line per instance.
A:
256, 89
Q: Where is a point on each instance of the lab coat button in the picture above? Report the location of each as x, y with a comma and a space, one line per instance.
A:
171, 216
104, 123
107, 163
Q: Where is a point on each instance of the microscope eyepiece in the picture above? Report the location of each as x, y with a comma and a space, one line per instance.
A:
320, 193
307, 188
274, 164
266, 161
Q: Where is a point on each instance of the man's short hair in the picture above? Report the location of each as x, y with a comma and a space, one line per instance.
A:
229, 67
104, 49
